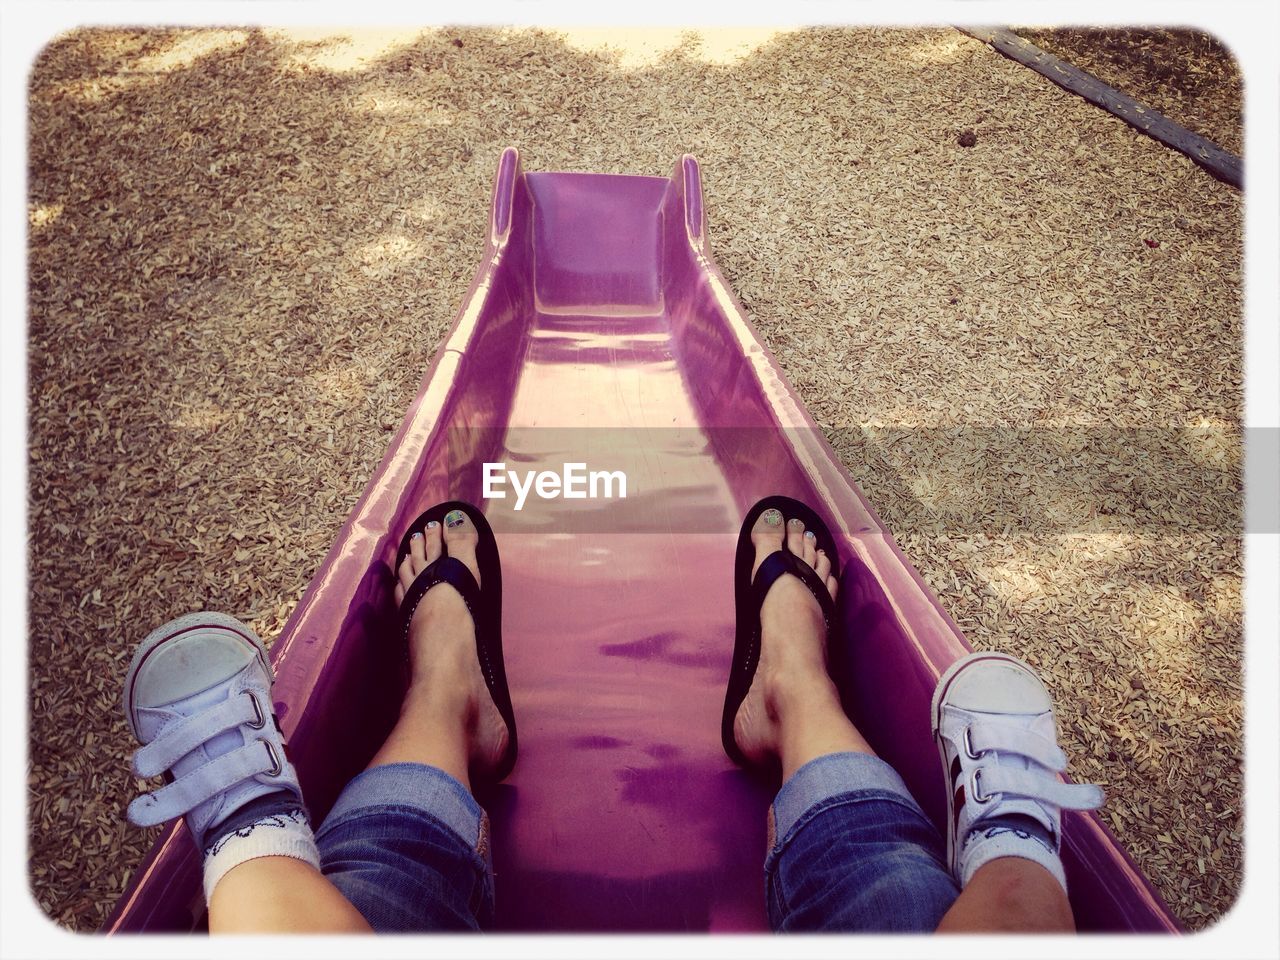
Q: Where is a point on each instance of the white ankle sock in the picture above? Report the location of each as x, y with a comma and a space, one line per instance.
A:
286, 834
986, 844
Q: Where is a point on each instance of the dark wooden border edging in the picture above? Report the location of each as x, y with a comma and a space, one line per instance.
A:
1222, 164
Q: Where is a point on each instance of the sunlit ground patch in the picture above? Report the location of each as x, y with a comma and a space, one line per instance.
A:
636, 47
44, 214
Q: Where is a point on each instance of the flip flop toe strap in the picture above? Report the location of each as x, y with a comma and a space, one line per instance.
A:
454, 572
448, 570
779, 563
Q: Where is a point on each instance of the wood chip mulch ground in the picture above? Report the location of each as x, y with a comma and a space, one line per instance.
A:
244, 250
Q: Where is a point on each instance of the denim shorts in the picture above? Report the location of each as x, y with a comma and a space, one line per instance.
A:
408, 846
849, 851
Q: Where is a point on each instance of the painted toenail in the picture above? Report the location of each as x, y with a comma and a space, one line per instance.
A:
432, 524
796, 524
809, 535
417, 535
454, 518
772, 517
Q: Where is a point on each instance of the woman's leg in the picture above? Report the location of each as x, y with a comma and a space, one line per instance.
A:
448, 719
792, 712
406, 841
849, 849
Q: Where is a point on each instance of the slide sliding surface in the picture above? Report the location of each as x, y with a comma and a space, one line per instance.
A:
599, 331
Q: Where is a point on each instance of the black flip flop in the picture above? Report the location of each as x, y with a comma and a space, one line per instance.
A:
483, 602
749, 596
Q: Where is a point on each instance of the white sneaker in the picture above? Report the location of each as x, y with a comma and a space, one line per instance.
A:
993, 723
198, 697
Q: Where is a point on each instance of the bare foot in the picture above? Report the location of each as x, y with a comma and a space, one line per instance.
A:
447, 685
791, 677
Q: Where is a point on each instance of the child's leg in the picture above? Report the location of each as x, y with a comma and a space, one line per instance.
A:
280, 895
993, 720
1010, 895
198, 697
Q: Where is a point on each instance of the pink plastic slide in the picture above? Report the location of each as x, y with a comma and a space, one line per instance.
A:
599, 338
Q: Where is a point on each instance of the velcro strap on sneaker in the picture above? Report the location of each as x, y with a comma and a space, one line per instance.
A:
180, 738
205, 782
988, 780
1008, 738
